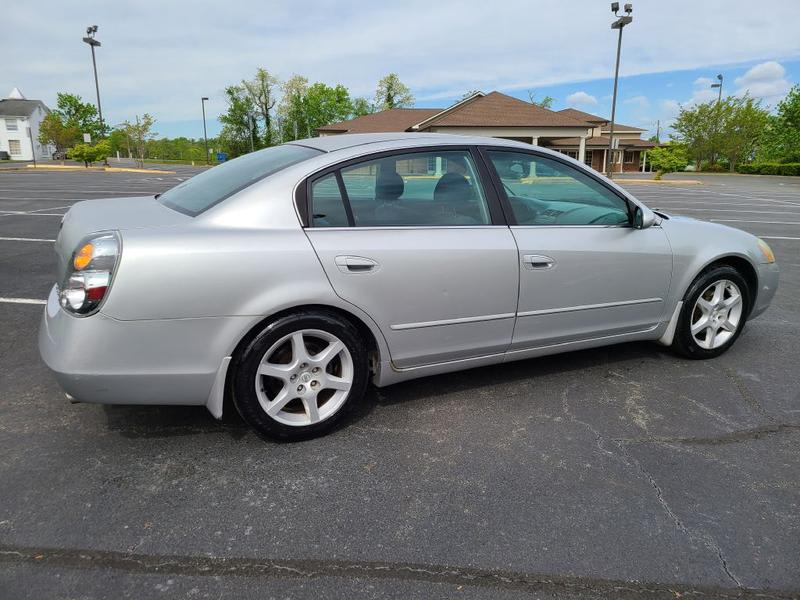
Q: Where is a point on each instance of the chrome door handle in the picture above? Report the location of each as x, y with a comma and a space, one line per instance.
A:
355, 264
538, 262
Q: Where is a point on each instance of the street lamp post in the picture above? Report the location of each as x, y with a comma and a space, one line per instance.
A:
718, 85
89, 39
716, 124
620, 23
203, 101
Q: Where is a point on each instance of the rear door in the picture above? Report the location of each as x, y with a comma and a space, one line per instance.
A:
417, 241
585, 272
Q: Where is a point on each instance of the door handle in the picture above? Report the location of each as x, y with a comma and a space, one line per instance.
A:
538, 262
355, 264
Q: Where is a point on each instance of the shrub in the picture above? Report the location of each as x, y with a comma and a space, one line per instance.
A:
668, 158
770, 169
715, 168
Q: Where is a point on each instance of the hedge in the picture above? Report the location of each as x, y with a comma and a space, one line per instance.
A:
769, 169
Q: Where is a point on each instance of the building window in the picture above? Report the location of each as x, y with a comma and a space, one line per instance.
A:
630, 156
588, 157
14, 147
570, 153
11, 125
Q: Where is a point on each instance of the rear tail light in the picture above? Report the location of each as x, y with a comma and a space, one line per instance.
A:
89, 274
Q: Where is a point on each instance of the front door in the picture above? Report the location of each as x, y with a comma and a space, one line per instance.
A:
413, 240
585, 272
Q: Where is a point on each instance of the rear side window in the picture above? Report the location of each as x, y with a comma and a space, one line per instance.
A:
328, 204
211, 187
420, 189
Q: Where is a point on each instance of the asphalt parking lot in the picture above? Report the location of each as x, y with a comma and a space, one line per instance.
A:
622, 472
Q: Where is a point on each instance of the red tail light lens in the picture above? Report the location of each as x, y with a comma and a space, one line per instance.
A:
89, 274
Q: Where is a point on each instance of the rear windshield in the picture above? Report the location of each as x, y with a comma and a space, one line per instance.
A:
203, 191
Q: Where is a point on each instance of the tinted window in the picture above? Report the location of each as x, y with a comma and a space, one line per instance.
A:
416, 189
327, 205
542, 191
203, 191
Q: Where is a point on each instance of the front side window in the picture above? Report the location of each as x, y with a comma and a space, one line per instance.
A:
543, 191
210, 187
420, 189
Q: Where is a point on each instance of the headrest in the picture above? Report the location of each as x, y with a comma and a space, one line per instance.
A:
389, 186
452, 188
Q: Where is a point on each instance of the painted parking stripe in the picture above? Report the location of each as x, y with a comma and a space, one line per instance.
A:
777, 237
19, 213
746, 221
759, 212
22, 301
20, 239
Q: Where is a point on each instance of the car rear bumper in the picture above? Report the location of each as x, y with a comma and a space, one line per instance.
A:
767, 286
105, 360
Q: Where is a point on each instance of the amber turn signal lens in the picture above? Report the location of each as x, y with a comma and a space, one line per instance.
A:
766, 251
83, 257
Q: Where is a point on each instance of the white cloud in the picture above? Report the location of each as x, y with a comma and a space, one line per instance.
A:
766, 80
165, 63
670, 108
581, 99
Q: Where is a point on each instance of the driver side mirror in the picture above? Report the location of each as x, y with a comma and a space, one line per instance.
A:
643, 217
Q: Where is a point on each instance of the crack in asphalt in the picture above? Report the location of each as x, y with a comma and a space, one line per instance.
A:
732, 437
627, 460
216, 566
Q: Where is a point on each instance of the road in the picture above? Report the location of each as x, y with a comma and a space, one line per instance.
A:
619, 472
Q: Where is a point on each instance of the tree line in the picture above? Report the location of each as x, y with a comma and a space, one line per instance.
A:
736, 133
260, 112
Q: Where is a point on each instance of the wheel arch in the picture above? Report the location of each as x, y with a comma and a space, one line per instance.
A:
743, 266
374, 347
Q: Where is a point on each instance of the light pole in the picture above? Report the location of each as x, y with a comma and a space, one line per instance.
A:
716, 123
203, 101
718, 85
618, 24
91, 31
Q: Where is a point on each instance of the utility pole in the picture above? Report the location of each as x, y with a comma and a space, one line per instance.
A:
658, 131
716, 124
203, 101
620, 24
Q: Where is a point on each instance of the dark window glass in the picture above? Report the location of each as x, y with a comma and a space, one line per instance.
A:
327, 206
210, 187
416, 190
542, 191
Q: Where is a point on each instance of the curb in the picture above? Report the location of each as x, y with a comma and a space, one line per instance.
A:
84, 169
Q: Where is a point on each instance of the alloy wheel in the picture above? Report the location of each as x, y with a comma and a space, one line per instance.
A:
717, 314
304, 377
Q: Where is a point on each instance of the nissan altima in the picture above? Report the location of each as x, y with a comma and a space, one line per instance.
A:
286, 281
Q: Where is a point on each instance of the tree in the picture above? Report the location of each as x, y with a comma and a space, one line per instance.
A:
324, 104
546, 102
137, 134
730, 129
393, 93
362, 106
291, 110
53, 130
89, 154
74, 112
781, 139
668, 158
262, 94
239, 133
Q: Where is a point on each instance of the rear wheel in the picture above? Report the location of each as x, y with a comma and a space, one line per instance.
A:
714, 312
300, 376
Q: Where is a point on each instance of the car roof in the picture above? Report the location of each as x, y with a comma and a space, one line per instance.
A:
342, 141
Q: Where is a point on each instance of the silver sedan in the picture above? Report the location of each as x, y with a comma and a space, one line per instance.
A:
283, 282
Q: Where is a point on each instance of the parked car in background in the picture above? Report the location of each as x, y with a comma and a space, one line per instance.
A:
60, 155
286, 280
4, 155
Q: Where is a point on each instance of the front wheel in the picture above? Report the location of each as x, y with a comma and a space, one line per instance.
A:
300, 376
713, 315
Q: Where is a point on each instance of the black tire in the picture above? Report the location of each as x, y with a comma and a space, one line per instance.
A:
684, 342
247, 362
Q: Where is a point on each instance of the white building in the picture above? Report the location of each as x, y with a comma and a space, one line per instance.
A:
17, 114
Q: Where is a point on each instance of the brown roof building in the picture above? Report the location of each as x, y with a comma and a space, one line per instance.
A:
578, 134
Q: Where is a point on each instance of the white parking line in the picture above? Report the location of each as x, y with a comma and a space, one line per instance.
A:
19, 213
18, 239
22, 301
758, 212
746, 221
777, 237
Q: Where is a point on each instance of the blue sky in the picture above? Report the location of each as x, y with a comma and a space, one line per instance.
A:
161, 57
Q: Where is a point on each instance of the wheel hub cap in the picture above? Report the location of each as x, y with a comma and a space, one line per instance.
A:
717, 314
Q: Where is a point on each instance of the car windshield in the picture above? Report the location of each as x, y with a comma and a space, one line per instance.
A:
211, 187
